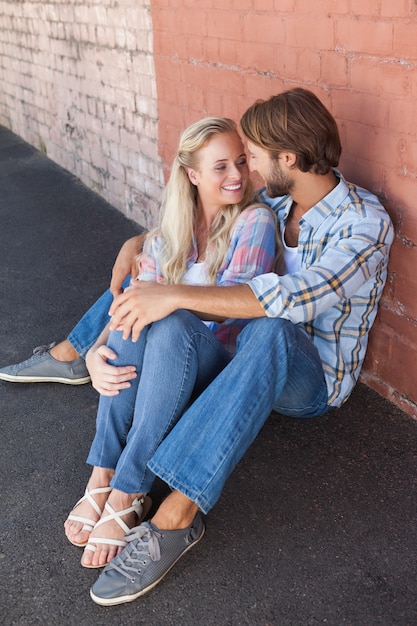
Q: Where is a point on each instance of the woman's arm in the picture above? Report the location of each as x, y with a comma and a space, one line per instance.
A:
109, 379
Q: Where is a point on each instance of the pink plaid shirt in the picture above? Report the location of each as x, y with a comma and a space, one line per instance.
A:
251, 253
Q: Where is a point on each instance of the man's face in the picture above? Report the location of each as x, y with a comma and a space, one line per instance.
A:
276, 179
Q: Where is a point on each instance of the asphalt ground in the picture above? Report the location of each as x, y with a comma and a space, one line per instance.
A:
317, 525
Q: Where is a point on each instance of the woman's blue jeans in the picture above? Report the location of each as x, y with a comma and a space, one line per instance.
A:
176, 358
86, 332
277, 366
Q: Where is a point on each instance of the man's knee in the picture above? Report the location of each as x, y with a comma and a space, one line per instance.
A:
266, 331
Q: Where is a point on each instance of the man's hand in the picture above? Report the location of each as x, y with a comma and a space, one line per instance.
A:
125, 263
107, 379
141, 304
147, 302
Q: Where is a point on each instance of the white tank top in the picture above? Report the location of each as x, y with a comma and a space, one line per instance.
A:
291, 258
195, 275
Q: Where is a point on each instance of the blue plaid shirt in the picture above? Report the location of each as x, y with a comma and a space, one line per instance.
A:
343, 246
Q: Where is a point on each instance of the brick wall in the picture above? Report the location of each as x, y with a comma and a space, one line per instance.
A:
78, 82
105, 91
360, 58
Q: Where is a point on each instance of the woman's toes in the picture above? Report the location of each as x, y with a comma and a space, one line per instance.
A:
80, 537
73, 529
85, 515
87, 558
99, 557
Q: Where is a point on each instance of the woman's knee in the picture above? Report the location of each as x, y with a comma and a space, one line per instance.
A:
125, 349
174, 323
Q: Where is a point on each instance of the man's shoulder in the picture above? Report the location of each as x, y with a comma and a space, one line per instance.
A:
357, 203
360, 197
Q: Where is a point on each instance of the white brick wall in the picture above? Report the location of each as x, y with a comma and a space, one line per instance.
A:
77, 82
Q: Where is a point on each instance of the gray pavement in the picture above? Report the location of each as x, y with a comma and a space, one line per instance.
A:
317, 525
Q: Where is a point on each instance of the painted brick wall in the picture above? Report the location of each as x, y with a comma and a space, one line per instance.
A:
360, 58
105, 92
78, 82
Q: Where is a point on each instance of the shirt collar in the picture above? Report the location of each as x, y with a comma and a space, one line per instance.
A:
320, 210
276, 203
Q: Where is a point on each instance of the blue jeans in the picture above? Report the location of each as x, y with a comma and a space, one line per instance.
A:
277, 366
87, 330
176, 358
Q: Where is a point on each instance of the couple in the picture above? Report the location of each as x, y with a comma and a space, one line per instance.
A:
299, 352
209, 234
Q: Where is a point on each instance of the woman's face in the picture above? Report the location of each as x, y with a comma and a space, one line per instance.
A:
222, 173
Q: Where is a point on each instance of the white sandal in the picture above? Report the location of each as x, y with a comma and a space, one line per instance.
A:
141, 506
88, 524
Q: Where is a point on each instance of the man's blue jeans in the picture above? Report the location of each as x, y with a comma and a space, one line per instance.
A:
176, 358
276, 367
86, 332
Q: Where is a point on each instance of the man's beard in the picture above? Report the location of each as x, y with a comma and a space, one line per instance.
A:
277, 184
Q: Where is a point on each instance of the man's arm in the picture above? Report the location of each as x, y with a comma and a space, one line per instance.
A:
125, 262
343, 268
148, 302
251, 252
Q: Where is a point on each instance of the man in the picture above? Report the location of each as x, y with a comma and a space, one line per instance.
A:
302, 353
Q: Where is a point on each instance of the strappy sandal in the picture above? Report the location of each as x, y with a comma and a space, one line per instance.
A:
141, 506
88, 524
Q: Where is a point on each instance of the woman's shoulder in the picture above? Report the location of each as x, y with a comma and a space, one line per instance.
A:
255, 220
257, 211
153, 241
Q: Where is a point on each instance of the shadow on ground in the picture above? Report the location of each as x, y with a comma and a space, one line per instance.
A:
316, 526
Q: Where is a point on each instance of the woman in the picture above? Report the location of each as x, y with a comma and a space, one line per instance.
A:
209, 233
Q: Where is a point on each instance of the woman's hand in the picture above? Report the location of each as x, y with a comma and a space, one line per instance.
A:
108, 379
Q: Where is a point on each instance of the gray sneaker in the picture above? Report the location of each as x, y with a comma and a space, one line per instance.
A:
43, 368
149, 555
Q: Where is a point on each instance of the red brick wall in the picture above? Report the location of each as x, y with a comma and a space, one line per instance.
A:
94, 87
359, 56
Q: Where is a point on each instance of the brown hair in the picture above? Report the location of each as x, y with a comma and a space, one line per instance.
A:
295, 121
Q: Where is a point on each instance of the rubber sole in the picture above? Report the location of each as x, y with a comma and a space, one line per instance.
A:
44, 379
131, 598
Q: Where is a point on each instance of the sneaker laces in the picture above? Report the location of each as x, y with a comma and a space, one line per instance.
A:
40, 350
146, 541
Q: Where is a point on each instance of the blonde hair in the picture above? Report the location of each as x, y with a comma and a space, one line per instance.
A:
177, 222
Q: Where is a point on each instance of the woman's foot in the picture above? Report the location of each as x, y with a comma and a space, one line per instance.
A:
121, 513
89, 508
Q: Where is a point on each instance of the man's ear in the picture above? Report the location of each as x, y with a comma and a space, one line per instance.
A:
192, 175
289, 159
